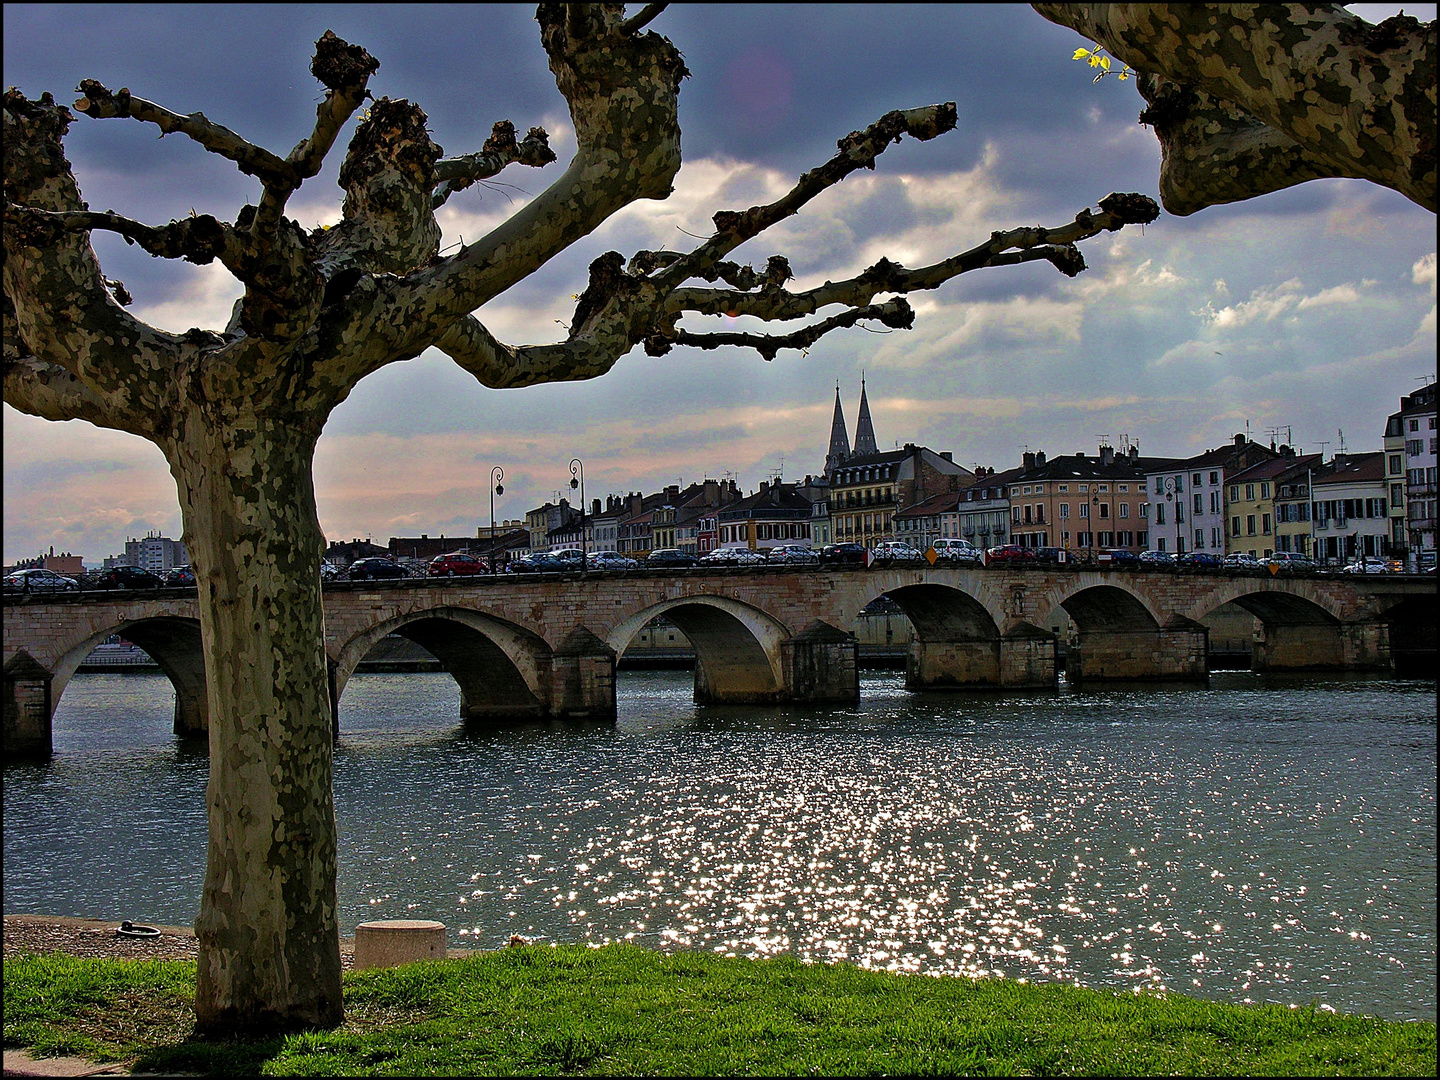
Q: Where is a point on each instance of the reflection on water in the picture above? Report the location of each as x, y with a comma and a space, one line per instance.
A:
1262, 838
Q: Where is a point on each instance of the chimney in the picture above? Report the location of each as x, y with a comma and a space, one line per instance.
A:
1027, 460
1107, 455
764, 486
948, 455
1040, 457
1134, 451
672, 492
1239, 438
594, 507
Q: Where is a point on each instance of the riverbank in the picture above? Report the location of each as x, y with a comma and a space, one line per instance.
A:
623, 1010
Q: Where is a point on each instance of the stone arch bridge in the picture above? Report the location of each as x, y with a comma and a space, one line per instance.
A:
523, 647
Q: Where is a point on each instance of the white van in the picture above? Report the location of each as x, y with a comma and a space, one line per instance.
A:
953, 549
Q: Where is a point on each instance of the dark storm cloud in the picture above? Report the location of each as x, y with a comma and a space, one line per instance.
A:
787, 80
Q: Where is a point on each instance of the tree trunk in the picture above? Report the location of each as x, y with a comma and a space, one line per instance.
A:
268, 929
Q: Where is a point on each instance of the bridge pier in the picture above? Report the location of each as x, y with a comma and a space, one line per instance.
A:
1322, 646
582, 678
28, 708
1022, 658
821, 666
1175, 651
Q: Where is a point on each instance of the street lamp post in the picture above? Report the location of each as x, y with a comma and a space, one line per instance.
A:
496, 488
1170, 498
1094, 512
577, 480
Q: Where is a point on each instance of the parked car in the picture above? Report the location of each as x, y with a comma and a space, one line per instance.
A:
1162, 559
455, 564
1008, 553
669, 559
37, 580
1241, 560
953, 549
536, 562
733, 556
1368, 564
610, 560
1052, 556
374, 569
180, 576
330, 572
842, 555
1200, 560
1118, 557
896, 551
1291, 562
125, 577
568, 558
793, 554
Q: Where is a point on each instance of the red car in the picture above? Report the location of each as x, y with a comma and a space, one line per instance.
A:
456, 564
1009, 553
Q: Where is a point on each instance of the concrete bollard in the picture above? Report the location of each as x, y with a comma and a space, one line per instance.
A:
392, 942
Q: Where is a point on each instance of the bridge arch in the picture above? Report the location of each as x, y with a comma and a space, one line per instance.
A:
1275, 603
174, 643
1096, 604
940, 612
502, 669
737, 646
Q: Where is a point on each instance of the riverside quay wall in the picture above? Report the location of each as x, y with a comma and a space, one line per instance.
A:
545, 646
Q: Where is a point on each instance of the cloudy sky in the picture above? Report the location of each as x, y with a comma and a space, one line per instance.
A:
1309, 311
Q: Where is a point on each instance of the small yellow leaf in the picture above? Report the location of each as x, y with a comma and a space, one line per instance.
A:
1105, 62
1122, 76
1080, 54
1094, 61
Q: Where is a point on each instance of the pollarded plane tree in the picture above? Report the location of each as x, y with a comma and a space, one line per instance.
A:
237, 411
1252, 98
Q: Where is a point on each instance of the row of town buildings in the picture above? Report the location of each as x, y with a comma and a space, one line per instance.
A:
1240, 497
1243, 496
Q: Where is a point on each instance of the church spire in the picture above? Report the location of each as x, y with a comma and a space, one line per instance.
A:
864, 430
839, 441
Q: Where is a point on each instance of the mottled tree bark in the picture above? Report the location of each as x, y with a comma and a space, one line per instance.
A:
237, 412
1250, 98
268, 932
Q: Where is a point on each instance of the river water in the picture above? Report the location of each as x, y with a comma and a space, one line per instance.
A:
1262, 838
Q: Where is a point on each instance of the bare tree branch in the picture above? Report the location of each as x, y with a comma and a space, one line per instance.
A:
200, 239
500, 150
99, 103
1029, 244
896, 314
51, 392
622, 90
639, 21
1214, 153
858, 150
344, 69
1359, 99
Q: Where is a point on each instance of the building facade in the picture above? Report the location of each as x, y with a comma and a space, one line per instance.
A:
154, 552
1417, 414
1349, 509
1188, 497
1081, 503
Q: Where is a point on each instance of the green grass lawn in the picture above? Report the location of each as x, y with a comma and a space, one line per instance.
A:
538, 1010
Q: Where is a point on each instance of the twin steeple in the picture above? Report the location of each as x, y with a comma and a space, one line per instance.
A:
864, 430
840, 450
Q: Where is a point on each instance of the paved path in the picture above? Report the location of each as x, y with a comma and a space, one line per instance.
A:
20, 1063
